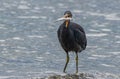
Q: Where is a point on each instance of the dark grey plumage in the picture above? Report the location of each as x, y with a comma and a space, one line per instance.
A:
72, 37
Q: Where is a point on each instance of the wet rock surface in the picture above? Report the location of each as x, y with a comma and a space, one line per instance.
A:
72, 76
83, 76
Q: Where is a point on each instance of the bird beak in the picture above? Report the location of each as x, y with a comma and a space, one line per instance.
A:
63, 19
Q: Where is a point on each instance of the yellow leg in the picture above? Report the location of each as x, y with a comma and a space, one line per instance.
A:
76, 62
67, 60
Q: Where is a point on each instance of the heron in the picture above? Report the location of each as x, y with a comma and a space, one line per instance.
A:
72, 37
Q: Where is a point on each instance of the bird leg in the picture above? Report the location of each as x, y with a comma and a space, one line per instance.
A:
67, 60
76, 62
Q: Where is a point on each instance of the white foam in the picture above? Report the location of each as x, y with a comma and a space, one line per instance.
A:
115, 53
27, 17
112, 17
106, 30
32, 17
10, 71
17, 38
117, 36
39, 59
96, 35
96, 14
48, 7
92, 46
108, 16
94, 24
4, 44
47, 53
93, 30
17, 50
23, 7
19, 47
36, 36
93, 58
6, 77
2, 40
101, 56
36, 8
60, 4
106, 65
118, 42
77, 11
10, 77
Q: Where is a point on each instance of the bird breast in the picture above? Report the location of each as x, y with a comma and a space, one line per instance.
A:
67, 37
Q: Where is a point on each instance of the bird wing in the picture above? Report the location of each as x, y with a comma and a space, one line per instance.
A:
80, 38
59, 33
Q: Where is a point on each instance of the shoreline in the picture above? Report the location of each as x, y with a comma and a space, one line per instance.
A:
83, 76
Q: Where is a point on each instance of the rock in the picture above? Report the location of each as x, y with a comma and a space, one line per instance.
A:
72, 76
82, 76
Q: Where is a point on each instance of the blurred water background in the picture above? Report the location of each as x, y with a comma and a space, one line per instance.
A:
28, 40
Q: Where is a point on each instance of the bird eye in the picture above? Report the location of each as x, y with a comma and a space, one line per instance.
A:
68, 16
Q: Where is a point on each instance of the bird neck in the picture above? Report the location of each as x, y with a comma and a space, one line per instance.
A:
67, 23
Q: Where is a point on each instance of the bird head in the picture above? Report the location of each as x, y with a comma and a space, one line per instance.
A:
68, 14
67, 17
